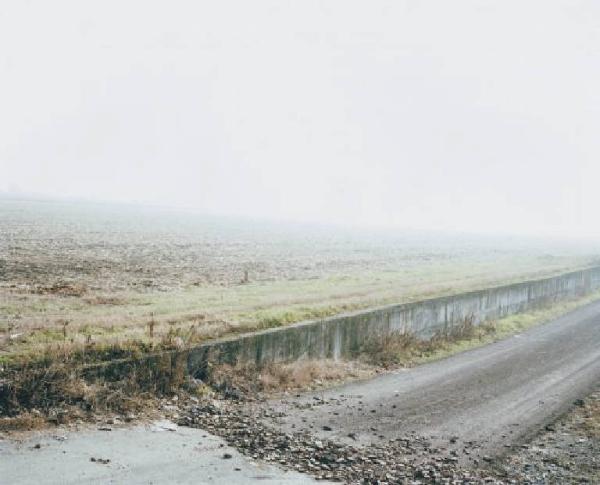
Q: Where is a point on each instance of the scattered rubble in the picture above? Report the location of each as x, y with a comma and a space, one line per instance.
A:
410, 459
567, 451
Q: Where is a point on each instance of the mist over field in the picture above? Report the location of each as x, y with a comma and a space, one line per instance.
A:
108, 269
97, 241
465, 115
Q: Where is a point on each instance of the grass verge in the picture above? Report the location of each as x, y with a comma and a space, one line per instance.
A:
406, 350
384, 353
61, 384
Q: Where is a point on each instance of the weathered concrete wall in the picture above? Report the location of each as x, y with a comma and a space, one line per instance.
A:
343, 335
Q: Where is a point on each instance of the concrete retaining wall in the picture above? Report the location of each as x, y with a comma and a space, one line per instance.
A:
343, 335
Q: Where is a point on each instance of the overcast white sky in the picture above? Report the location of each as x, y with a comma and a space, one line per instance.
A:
477, 115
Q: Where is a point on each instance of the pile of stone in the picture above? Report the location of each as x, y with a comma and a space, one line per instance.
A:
404, 460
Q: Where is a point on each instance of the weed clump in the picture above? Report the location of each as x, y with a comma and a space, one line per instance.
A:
405, 349
65, 382
247, 380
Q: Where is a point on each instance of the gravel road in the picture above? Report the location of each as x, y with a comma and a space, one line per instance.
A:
486, 400
454, 419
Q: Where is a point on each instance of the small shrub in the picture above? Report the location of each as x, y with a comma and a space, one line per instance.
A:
391, 350
405, 348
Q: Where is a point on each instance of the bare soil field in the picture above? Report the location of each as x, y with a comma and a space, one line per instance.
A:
75, 272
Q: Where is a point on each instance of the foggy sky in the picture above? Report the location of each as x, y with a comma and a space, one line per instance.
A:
477, 115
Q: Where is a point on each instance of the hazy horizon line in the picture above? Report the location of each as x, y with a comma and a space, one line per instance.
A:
198, 211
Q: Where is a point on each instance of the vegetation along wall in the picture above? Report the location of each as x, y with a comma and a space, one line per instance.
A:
342, 336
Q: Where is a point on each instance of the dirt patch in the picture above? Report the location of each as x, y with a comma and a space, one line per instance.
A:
105, 300
61, 289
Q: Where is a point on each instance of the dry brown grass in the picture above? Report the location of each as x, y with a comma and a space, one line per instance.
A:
60, 386
405, 349
70, 380
244, 380
312, 373
25, 421
61, 289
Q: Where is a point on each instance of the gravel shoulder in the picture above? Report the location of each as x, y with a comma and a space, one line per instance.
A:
567, 451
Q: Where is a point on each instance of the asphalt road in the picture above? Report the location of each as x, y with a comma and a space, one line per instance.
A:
147, 454
492, 397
